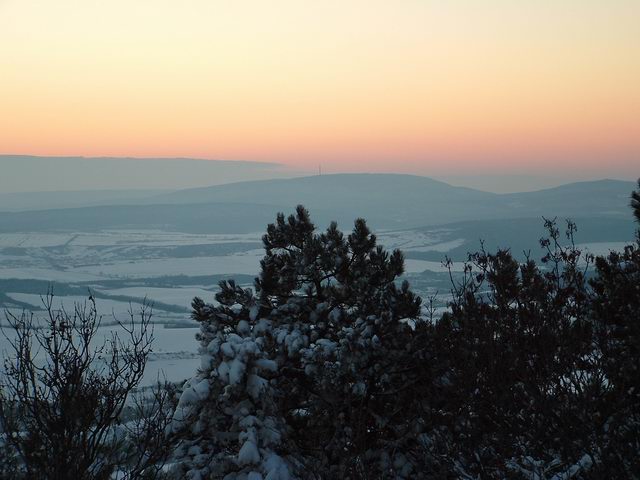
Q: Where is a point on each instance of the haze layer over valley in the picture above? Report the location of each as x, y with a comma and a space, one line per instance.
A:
170, 245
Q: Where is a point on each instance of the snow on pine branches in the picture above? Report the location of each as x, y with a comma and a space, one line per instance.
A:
325, 368
295, 374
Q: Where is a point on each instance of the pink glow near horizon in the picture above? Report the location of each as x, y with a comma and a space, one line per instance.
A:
417, 87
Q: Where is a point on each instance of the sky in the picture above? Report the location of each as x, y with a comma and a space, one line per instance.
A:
449, 89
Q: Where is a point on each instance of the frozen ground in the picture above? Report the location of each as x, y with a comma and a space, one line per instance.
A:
48, 274
437, 240
241, 263
179, 295
602, 248
106, 307
120, 237
174, 352
170, 268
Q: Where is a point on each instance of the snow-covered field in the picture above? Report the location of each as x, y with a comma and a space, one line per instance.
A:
34, 240
419, 266
85, 257
174, 352
244, 263
106, 307
48, 274
179, 295
418, 241
120, 237
125, 266
174, 355
247, 264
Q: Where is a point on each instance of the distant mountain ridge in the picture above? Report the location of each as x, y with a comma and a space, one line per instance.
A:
24, 173
21, 201
387, 201
341, 186
413, 200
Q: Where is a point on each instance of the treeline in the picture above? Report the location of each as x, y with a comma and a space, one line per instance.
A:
331, 368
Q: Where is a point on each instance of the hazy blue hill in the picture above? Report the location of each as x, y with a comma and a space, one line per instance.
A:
329, 191
24, 173
80, 198
387, 199
387, 202
364, 189
521, 235
204, 218
602, 197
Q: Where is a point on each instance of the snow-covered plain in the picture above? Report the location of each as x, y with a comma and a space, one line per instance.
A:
106, 307
34, 239
47, 274
420, 241
126, 266
179, 296
173, 358
120, 237
123, 266
245, 263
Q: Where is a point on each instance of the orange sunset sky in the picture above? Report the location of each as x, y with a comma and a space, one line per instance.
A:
429, 87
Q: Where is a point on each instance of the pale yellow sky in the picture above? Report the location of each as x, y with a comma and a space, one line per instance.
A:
424, 86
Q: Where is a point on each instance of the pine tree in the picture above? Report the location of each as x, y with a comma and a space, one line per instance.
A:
296, 376
327, 369
635, 202
616, 315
